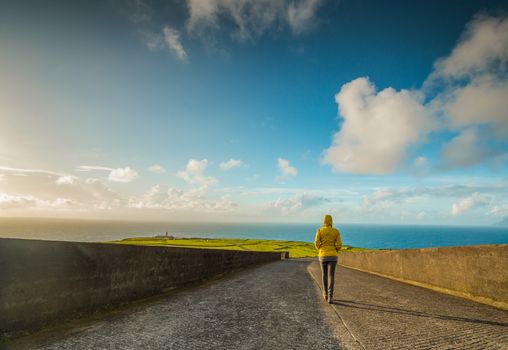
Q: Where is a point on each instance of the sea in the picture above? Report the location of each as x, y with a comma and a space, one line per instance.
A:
356, 235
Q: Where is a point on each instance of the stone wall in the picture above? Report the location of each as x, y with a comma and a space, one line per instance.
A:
42, 282
479, 273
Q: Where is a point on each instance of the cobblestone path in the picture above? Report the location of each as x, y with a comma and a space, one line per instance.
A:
386, 314
272, 306
279, 305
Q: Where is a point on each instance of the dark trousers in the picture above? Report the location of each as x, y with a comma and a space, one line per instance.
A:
328, 273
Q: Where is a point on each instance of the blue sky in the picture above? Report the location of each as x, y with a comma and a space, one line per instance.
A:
255, 110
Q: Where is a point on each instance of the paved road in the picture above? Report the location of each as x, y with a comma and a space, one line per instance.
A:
386, 314
271, 306
278, 305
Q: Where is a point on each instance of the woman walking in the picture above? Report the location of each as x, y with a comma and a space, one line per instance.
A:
328, 244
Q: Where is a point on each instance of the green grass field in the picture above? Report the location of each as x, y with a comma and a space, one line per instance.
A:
296, 249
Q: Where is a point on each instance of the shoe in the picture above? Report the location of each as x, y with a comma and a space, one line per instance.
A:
330, 299
325, 297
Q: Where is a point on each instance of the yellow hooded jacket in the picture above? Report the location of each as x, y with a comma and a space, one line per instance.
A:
327, 241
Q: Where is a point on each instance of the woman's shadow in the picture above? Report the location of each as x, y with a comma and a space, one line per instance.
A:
380, 308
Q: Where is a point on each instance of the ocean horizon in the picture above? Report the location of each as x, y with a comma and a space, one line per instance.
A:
375, 236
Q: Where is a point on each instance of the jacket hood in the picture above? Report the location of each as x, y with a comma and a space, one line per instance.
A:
328, 220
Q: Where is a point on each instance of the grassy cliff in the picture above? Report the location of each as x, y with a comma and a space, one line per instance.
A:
295, 249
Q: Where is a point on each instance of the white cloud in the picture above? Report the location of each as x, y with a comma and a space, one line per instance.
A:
92, 168
172, 41
297, 203
470, 86
463, 149
61, 179
157, 169
468, 203
473, 80
421, 166
43, 190
482, 101
194, 173
421, 161
94, 190
500, 210
167, 38
173, 199
25, 171
125, 174
286, 171
154, 41
422, 215
141, 12
202, 13
385, 198
66, 180
272, 192
242, 19
397, 197
231, 164
30, 202
377, 128
301, 15
251, 17
449, 203
483, 45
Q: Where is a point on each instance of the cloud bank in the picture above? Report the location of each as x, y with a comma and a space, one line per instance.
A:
38, 190
173, 199
157, 169
27, 202
297, 203
126, 174
43, 190
474, 201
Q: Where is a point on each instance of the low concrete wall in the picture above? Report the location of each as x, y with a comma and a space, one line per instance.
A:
43, 282
479, 273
